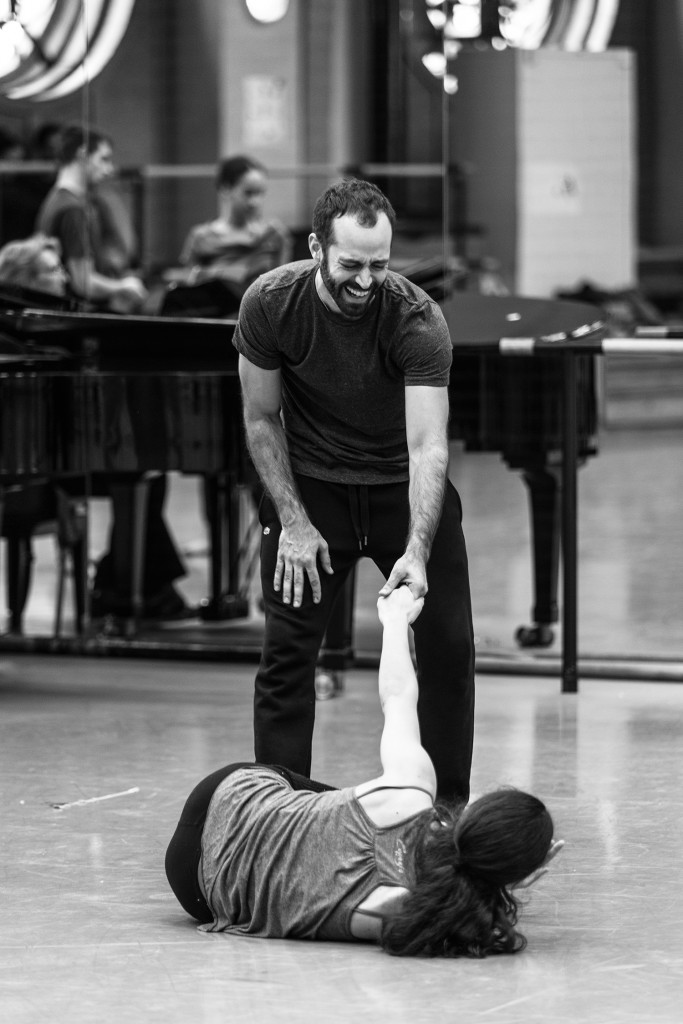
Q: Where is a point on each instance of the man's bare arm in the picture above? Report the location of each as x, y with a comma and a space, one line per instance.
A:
427, 435
300, 543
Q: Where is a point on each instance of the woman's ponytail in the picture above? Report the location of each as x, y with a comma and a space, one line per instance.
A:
503, 837
459, 903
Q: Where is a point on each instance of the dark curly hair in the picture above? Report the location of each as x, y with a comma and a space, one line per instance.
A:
463, 866
74, 137
232, 169
360, 199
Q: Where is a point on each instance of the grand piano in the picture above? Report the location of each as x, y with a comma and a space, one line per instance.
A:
90, 397
102, 394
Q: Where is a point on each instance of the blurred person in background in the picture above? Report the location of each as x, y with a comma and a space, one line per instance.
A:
73, 213
35, 263
241, 243
221, 258
95, 256
32, 263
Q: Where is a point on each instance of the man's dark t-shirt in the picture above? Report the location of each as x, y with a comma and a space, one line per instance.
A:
343, 381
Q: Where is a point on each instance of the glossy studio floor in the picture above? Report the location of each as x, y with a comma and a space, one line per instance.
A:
97, 755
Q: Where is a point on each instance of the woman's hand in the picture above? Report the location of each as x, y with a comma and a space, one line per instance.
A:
555, 847
399, 603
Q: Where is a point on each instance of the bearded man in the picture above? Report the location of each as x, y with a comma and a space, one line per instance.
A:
344, 367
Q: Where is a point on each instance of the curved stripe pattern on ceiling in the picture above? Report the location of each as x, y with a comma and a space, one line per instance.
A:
54, 47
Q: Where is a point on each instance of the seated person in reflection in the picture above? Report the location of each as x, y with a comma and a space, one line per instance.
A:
35, 263
262, 851
240, 244
232, 250
74, 213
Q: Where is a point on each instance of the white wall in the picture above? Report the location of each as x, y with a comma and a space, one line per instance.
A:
576, 171
548, 142
669, 102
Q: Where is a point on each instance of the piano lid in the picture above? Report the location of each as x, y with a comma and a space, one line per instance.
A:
112, 341
482, 320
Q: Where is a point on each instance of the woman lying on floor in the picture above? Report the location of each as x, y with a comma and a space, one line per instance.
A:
262, 851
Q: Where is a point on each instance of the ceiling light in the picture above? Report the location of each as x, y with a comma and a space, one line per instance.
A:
267, 11
435, 63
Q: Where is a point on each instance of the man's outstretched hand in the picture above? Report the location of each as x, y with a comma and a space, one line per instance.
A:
409, 571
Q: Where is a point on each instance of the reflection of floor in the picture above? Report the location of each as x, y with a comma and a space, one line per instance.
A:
97, 756
630, 541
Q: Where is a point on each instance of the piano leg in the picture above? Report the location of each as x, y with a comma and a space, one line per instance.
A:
140, 506
19, 566
129, 503
223, 514
19, 555
32, 506
72, 536
544, 485
75, 554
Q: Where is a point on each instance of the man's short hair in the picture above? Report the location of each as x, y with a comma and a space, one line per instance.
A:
233, 168
360, 199
74, 137
18, 259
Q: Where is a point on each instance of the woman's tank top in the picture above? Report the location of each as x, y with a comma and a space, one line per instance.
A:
283, 863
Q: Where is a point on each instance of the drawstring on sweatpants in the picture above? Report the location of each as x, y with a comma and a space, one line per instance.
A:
359, 507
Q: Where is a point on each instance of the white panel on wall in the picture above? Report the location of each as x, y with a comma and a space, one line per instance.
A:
576, 171
260, 111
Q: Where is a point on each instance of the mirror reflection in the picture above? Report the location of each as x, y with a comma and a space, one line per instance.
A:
175, 153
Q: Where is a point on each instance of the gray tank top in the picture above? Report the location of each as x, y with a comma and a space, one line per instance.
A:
283, 863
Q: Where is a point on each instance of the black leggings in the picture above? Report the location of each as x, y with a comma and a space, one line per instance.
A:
185, 849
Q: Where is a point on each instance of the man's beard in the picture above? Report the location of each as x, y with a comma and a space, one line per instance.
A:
352, 307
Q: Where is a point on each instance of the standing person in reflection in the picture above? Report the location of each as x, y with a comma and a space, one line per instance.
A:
76, 213
71, 213
240, 243
262, 851
344, 368
222, 258
32, 263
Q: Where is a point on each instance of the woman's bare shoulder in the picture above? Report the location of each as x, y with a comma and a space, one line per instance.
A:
388, 802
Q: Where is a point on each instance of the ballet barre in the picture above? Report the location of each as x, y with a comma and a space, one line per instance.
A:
649, 341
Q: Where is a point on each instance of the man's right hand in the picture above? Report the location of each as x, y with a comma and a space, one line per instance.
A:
299, 547
399, 603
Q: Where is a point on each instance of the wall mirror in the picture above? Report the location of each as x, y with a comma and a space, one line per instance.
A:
509, 141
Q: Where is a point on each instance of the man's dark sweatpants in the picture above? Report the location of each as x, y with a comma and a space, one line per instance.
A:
369, 521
